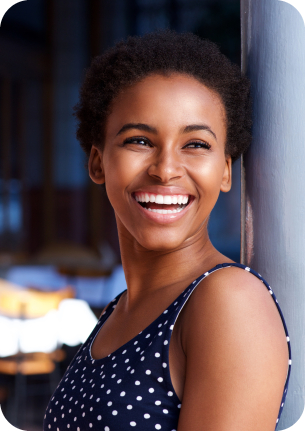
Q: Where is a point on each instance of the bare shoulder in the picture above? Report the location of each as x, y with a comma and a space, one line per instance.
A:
236, 354
232, 302
234, 295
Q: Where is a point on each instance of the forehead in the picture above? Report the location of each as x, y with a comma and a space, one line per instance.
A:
168, 102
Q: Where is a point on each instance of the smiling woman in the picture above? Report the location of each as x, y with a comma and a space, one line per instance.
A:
176, 147
187, 346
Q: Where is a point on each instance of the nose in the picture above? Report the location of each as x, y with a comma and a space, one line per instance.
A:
166, 166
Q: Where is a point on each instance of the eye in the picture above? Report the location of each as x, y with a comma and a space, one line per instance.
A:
138, 140
198, 144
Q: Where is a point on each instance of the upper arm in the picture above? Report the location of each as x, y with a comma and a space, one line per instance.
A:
236, 356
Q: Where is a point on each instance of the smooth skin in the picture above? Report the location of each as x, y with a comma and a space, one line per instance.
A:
228, 352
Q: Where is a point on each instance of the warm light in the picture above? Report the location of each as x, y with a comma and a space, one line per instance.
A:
70, 324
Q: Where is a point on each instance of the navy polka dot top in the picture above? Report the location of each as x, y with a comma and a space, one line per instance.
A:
131, 388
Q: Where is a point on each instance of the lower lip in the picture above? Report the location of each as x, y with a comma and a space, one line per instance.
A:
163, 218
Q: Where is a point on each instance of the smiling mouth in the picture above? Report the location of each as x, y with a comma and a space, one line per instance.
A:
162, 204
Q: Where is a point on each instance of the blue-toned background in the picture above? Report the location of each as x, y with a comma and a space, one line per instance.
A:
56, 227
45, 45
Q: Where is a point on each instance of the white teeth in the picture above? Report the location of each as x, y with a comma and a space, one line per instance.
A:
162, 199
166, 211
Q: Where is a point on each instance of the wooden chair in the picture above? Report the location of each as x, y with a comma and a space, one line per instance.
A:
16, 302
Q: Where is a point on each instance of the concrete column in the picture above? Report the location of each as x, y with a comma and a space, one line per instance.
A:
273, 56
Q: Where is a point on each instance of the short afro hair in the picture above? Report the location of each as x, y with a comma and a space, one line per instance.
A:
163, 52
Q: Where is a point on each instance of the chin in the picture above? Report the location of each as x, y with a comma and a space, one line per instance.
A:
161, 243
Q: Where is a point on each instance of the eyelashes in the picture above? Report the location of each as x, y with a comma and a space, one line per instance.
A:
198, 144
142, 141
137, 140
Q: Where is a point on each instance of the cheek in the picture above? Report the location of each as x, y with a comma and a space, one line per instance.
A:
208, 175
120, 174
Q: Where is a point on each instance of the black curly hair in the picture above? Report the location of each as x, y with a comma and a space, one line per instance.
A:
163, 52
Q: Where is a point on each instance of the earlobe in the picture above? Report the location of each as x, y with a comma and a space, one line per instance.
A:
227, 176
95, 166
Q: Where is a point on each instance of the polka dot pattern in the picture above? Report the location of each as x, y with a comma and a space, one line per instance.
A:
131, 386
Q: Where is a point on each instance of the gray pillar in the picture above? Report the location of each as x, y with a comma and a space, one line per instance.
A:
273, 56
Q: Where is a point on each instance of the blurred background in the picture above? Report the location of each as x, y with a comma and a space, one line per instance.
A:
57, 229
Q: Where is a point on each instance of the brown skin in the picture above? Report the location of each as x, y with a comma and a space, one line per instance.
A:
228, 352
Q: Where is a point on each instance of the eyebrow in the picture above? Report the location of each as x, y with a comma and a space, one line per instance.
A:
195, 127
139, 126
146, 128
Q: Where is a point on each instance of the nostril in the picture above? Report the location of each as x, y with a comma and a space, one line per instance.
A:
166, 170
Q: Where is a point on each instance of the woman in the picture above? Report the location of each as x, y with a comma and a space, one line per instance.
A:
188, 346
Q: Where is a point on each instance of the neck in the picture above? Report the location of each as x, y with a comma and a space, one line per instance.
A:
148, 271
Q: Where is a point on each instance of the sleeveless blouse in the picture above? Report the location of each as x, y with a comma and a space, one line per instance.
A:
131, 388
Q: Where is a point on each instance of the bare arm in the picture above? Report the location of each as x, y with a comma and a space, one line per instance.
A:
236, 356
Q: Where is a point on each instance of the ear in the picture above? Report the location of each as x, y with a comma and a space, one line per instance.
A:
227, 176
95, 166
